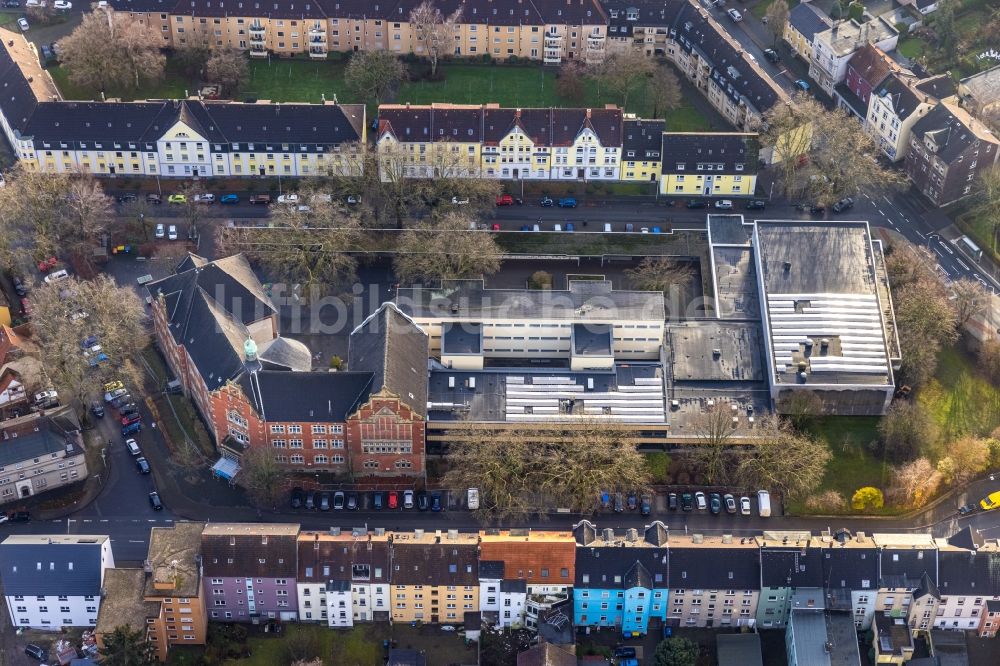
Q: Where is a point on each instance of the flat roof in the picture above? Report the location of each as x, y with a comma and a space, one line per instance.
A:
122, 603
585, 300
822, 304
738, 650
462, 338
694, 345
631, 393
736, 292
173, 555
593, 339
893, 634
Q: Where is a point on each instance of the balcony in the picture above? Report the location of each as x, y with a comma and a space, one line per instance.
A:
258, 52
256, 37
317, 39
553, 39
317, 53
317, 30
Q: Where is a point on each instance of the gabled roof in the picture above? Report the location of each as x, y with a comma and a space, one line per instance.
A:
967, 538
638, 576
926, 587
322, 558
35, 436
390, 346
491, 569
736, 152
872, 64
585, 532
443, 563
938, 87
904, 567
642, 140
790, 567
896, 92
849, 567
808, 20
285, 354
60, 564
260, 550
952, 130
282, 396
972, 572
707, 568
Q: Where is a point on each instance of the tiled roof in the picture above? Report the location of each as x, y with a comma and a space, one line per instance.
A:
790, 567
899, 95
872, 64
394, 349
59, 564
849, 568
33, 437
975, 573
642, 139
707, 568
903, 567
282, 396
737, 153
260, 550
952, 130
524, 557
441, 563
317, 551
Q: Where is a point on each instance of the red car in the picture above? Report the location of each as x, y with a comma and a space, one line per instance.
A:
496, 226
46, 265
393, 499
130, 419
26, 307
505, 200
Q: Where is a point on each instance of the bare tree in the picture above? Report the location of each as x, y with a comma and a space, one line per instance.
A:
988, 206
87, 212
970, 299
194, 53
660, 274
907, 431
228, 68
522, 470
261, 476
66, 314
925, 318
373, 75
800, 407
445, 250
914, 483
570, 84
777, 16
820, 153
783, 459
624, 73
111, 50
663, 91
434, 31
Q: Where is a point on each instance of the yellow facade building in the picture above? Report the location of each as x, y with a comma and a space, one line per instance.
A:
717, 164
435, 576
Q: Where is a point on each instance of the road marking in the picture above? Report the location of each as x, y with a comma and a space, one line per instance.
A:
962, 264
88, 521
150, 520
135, 541
945, 246
935, 248
104, 520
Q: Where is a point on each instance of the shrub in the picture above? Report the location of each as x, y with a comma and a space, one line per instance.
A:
826, 500
540, 280
867, 498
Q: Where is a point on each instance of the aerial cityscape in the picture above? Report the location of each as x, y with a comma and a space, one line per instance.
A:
500, 332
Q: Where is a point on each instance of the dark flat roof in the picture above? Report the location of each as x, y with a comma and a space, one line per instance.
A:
462, 338
593, 339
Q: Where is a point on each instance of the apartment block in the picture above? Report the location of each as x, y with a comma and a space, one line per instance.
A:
896, 105
714, 581
866, 70
804, 22
344, 577
790, 563
642, 144
435, 576
54, 581
502, 601
250, 570
834, 47
969, 589
948, 151
621, 580
908, 572
40, 452
709, 164
850, 574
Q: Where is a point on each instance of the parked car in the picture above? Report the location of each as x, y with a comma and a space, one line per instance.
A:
378, 500
745, 509
62, 4
129, 419
672, 501
11, 4
472, 498
311, 499
229, 199
723, 204
143, 465
260, 199
844, 204
47, 398
646, 505
292, 199
19, 517
735, 15
966, 509
423, 501
699, 500
22, 23
352, 501
298, 497
407, 499
567, 202
206, 199
990, 502
177, 199
154, 199
802, 85
128, 409
730, 503
817, 209
160, 231
756, 204
35, 652
687, 501
435, 501
57, 276
97, 409
607, 227
505, 200
772, 56
338, 500
48, 54
715, 503
619, 502
546, 202
154, 501
496, 226
133, 447
172, 232
324, 501
632, 501
354, 199
20, 288
696, 203
393, 499
570, 227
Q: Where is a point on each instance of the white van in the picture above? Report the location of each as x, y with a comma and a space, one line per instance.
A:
133, 447
58, 276
473, 499
763, 503
607, 227
557, 227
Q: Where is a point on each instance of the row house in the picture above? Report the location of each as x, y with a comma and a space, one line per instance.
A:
833, 48
815, 636
789, 564
709, 164
218, 331
714, 581
164, 600
948, 151
499, 29
169, 138
488, 141
804, 22
969, 589
40, 452
642, 143
435, 576
249, 571
850, 574
866, 70
895, 106
621, 581
908, 571
537, 570
344, 577
54, 581
712, 61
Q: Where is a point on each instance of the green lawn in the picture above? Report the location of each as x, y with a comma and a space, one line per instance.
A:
172, 86
962, 401
284, 80
361, 646
912, 47
8, 19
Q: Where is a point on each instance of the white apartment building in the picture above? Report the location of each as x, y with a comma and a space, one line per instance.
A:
343, 577
832, 48
53, 581
897, 104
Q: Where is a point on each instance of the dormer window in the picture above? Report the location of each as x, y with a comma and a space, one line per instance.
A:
739, 167
631, 14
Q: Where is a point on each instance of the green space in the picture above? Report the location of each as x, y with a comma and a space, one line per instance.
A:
760, 9
852, 466
291, 80
171, 86
8, 19
961, 401
912, 47
977, 227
